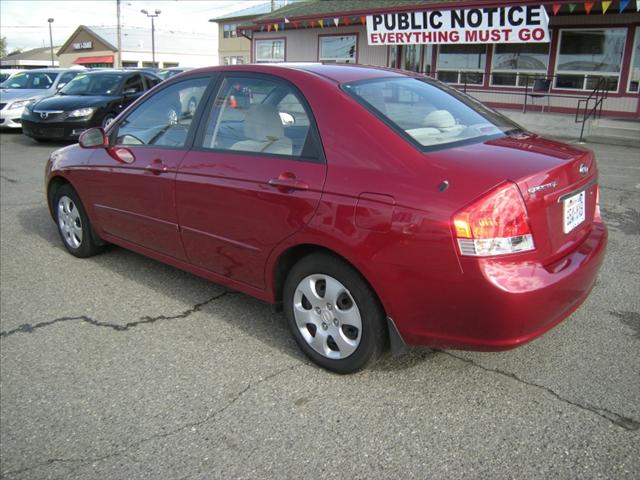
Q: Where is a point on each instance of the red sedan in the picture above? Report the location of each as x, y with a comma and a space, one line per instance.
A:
377, 208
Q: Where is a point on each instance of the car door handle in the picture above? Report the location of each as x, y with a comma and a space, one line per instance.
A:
156, 167
287, 182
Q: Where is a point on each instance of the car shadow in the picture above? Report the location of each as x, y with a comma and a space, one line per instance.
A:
256, 320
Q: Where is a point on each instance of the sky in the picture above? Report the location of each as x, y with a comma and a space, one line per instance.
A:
24, 22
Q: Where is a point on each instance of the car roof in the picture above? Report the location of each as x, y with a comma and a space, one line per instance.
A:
333, 72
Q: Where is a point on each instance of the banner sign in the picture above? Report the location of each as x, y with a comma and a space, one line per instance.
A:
517, 24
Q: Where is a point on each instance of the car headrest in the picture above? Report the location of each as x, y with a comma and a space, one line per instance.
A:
262, 122
439, 119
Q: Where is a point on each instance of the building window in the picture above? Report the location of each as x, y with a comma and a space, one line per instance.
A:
516, 64
462, 63
170, 64
129, 64
233, 60
634, 74
338, 48
587, 56
270, 50
150, 64
229, 30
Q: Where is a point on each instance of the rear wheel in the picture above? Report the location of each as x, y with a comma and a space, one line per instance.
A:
73, 224
333, 314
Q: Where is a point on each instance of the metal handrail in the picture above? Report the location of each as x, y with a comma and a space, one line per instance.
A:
599, 94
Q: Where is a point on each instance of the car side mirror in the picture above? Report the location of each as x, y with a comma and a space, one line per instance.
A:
94, 138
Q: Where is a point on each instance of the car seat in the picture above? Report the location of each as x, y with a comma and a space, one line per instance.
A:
264, 132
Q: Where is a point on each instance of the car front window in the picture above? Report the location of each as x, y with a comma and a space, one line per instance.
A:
165, 118
430, 114
100, 84
31, 80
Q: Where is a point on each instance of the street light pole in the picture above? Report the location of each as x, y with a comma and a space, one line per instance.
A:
152, 16
50, 20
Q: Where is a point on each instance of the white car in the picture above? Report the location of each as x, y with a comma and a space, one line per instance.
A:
25, 87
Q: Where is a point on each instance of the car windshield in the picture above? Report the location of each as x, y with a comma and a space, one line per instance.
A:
430, 114
31, 80
164, 74
93, 84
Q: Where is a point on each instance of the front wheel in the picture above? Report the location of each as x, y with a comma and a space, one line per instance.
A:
73, 224
108, 120
333, 314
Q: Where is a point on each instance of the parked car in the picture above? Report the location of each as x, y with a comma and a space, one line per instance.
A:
377, 208
91, 99
167, 73
25, 87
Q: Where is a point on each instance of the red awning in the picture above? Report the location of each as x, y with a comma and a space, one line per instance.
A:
85, 60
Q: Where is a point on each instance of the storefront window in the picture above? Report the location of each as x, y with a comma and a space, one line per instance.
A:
587, 56
462, 63
634, 74
270, 50
338, 48
515, 64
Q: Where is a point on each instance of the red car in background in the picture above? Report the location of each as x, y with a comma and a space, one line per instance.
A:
378, 208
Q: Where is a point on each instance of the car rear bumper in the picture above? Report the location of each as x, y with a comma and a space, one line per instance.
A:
54, 130
11, 118
501, 303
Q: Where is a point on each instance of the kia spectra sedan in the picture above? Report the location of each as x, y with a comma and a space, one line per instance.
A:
377, 208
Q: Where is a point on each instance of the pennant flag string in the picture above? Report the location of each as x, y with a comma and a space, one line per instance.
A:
623, 5
605, 6
572, 7
588, 6
336, 21
556, 8
321, 23
637, 5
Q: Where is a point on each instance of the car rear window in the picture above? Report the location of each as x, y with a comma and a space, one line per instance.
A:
429, 114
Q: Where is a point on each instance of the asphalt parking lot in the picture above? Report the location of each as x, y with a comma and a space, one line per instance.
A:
119, 367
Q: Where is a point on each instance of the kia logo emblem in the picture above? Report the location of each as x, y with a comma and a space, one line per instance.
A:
583, 169
44, 115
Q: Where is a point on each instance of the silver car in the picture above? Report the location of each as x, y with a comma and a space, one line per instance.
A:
25, 87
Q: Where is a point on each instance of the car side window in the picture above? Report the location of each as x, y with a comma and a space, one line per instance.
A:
151, 81
165, 118
66, 78
133, 85
256, 115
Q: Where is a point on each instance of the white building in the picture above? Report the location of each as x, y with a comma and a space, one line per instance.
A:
97, 47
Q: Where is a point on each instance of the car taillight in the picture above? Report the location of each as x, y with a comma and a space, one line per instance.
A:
496, 224
596, 215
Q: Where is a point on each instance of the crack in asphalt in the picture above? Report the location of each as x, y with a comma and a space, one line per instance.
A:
619, 189
627, 423
126, 449
29, 328
10, 180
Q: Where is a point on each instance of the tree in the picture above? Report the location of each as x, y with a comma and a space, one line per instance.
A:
3, 46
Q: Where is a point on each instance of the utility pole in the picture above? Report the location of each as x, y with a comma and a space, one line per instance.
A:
152, 16
50, 20
119, 38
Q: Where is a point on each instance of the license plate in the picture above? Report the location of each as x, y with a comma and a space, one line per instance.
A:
573, 211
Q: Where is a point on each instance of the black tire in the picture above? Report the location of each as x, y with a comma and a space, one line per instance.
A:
108, 118
373, 337
80, 246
